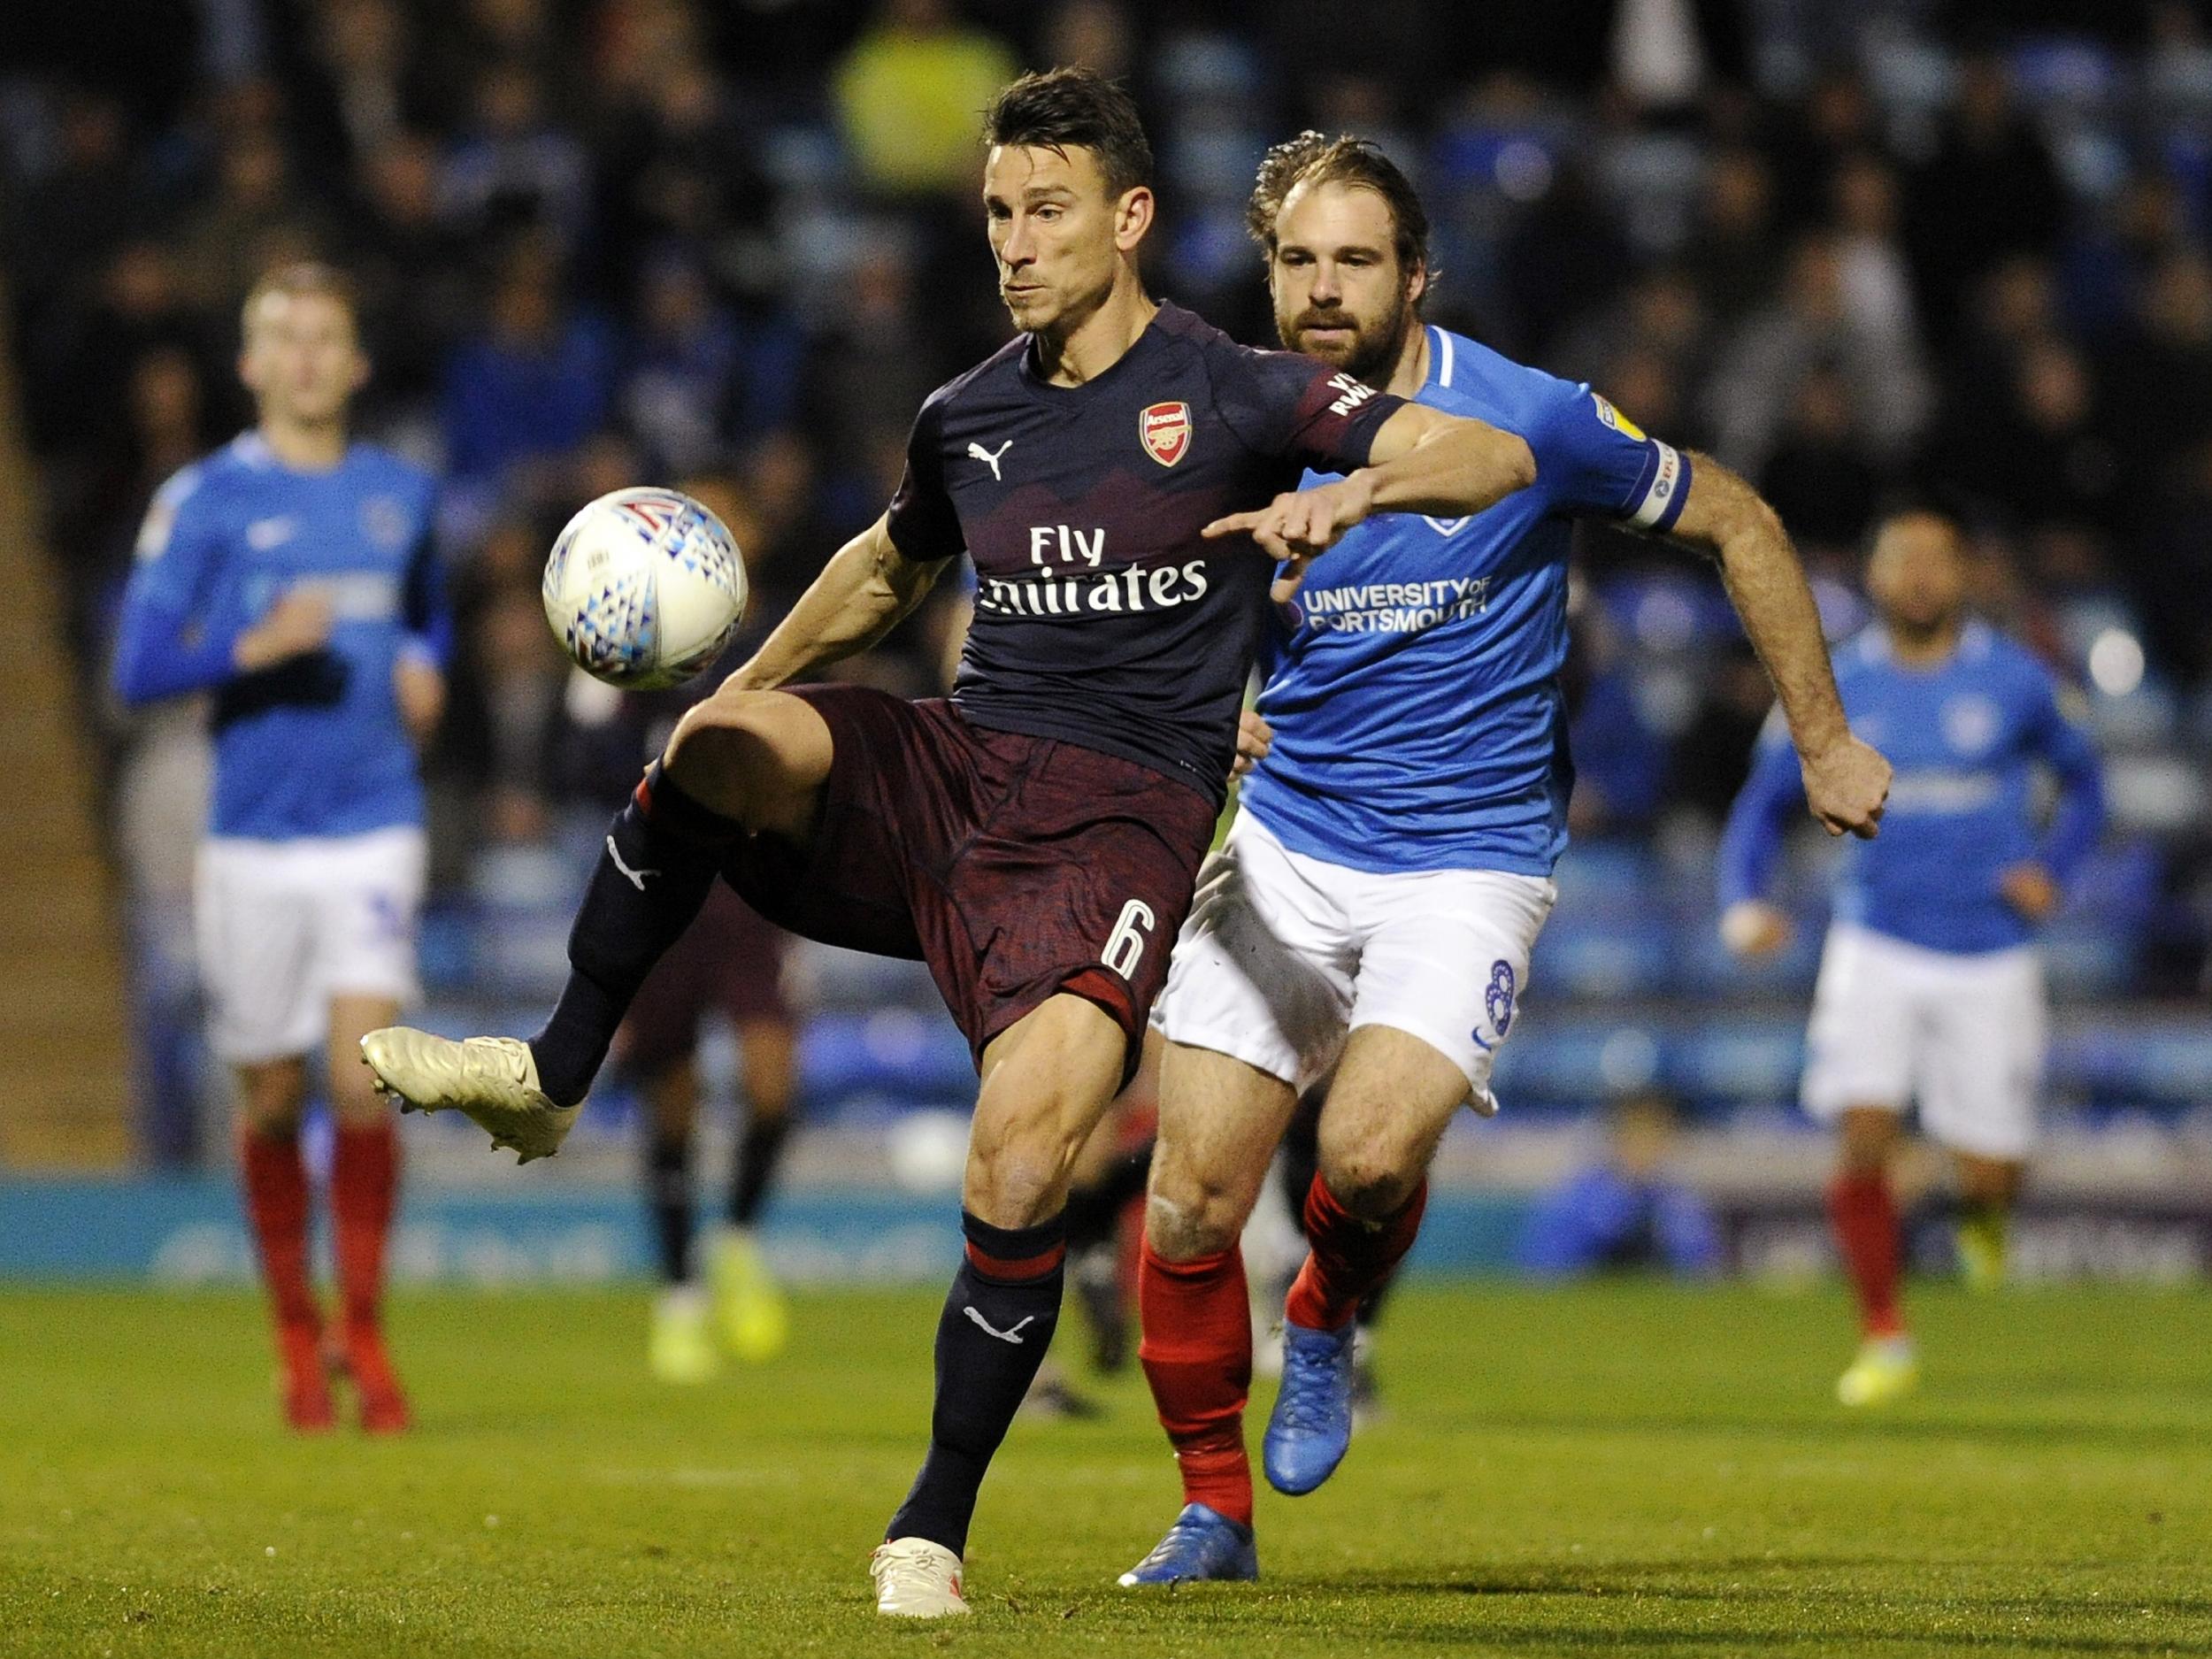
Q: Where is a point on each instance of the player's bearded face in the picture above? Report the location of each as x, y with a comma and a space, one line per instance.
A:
1056, 233
1339, 292
301, 358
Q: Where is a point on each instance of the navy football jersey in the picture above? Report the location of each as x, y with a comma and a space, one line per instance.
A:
1102, 617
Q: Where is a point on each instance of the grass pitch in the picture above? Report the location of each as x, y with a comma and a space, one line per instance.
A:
1624, 1468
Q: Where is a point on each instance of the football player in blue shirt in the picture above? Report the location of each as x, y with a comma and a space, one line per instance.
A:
1374, 906
1930, 985
290, 576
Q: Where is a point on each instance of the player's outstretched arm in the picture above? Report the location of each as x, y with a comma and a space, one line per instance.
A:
1845, 782
1750, 846
863, 593
1425, 460
1421, 460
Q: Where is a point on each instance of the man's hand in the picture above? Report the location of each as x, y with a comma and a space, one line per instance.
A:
2029, 889
298, 623
1845, 784
419, 689
1254, 738
1752, 927
1299, 527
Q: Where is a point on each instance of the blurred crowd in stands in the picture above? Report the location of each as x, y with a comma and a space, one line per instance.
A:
1958, 249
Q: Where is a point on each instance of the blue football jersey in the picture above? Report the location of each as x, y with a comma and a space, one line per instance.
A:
1966, 738
314, 746
1414, 686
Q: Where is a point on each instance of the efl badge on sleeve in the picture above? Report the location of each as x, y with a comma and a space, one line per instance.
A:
1165, 429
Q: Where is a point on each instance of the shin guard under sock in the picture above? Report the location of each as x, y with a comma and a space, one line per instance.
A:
992, 1337
661, 855
1197, 1355
363, 1190
1349, 1257
1864, 1216
275, 1182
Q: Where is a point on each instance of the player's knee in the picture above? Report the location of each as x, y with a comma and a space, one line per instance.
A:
1865, 1140
1017, 1168
1187, 1216
354, 1098
1373, 1179
271, 1098
746, 754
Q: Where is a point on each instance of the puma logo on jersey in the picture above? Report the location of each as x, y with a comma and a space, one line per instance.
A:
1011, 1334
636, 877
990, 458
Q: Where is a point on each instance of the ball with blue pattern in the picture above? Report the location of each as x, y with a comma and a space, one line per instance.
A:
644, 588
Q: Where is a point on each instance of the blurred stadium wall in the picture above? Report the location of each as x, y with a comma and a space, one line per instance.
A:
1952, 247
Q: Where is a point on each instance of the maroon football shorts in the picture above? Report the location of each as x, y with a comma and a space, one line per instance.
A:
728, 962
1016, 867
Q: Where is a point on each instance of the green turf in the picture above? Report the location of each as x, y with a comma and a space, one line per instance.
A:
1628, 1469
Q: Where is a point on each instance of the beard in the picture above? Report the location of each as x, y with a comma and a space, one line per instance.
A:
1369, 353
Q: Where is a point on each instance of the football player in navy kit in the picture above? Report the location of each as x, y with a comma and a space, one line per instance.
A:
1033, 838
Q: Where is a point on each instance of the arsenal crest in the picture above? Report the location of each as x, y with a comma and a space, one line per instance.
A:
1165, 429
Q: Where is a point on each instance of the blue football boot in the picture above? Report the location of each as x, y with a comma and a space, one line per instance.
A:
1311, 1427
1202, 1544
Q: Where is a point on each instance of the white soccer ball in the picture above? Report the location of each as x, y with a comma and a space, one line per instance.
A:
644, 588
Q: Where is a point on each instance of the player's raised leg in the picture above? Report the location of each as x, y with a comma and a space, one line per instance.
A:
1393, 1095
1046, 1080
1219, 1120
365, 1170
742, 762
1863, 1211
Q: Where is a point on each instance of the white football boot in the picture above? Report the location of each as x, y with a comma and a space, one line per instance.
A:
492, 1079
916, 1579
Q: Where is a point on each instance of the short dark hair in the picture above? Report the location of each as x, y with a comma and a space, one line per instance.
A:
1309, 159
1066, 109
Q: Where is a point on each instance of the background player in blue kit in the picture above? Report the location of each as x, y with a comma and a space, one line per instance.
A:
1035, 837
289, 575
1375, 904
1931, 989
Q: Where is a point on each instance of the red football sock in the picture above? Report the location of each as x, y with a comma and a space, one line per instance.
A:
364, 1182
1197, 1355
276, 1206
1348, 1257
1865, 1220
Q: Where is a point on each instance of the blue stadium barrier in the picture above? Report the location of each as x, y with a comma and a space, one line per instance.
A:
186, 1230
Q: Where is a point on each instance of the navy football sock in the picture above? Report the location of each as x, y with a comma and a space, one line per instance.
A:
668, 1194
758, 1154
659, 860
992, 1337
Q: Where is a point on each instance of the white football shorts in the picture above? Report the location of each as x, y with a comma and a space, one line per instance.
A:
1285, 955
1962, 1034
284, 927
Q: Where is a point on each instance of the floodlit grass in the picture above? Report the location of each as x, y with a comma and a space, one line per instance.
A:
1625, 1468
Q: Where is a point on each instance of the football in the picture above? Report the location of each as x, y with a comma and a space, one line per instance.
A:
644, 588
